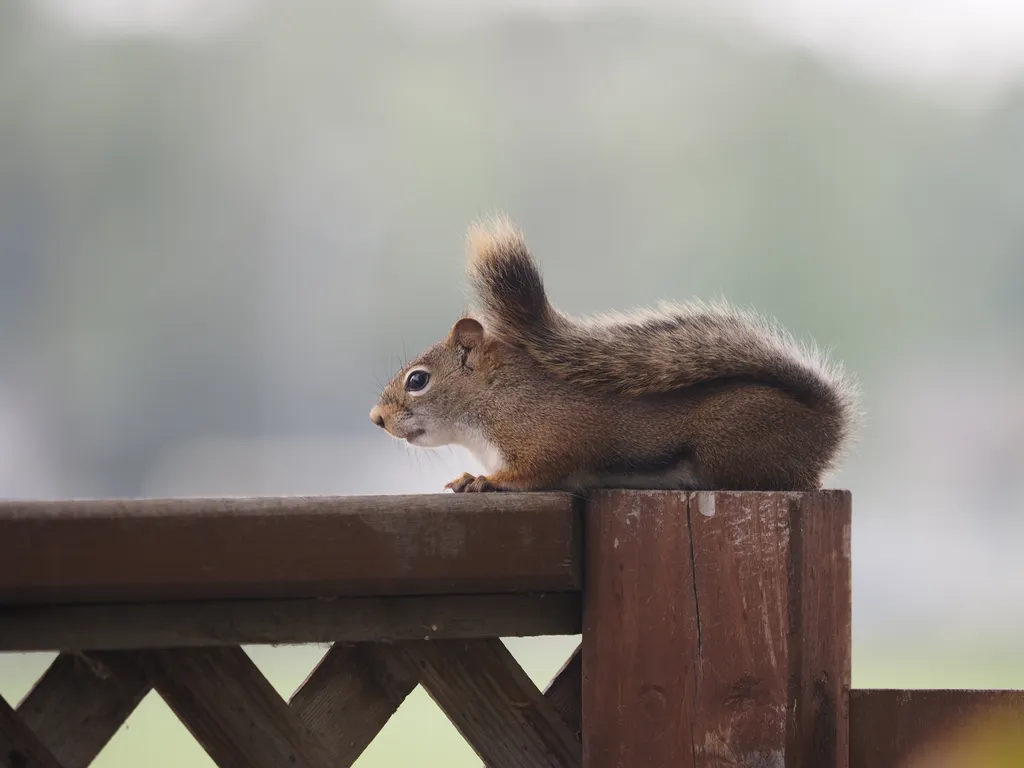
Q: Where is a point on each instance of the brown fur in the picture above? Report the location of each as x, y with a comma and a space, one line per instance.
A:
689, 397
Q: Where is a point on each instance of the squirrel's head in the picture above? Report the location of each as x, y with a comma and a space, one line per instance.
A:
430, 401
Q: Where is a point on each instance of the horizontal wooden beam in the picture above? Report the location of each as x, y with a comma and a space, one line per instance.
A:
272, 548
935, 728
246, 622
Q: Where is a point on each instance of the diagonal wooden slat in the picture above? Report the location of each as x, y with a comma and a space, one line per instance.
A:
493, 703
350, 696
232, 710
80, 702
83, 699
19, 746
565, 691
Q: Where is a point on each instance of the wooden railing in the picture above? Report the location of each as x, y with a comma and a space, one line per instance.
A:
715, 628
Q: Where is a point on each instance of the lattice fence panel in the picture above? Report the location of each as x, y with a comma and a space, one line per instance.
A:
231, 709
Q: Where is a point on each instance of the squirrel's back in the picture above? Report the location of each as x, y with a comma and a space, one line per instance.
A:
654, 351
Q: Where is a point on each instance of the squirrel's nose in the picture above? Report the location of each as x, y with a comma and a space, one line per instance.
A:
375, 416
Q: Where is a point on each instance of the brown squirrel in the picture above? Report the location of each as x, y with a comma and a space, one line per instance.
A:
685, 397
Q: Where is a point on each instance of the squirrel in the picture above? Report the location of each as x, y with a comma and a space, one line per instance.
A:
701, 396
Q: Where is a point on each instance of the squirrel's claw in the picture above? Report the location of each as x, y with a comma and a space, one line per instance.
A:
458, 485
481, 484
469, 483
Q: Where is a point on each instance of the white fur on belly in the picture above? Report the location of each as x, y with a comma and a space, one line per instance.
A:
483, 450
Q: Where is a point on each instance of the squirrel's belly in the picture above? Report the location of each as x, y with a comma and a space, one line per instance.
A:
684, 476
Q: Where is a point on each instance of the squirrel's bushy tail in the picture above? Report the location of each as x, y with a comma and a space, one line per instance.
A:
648, 352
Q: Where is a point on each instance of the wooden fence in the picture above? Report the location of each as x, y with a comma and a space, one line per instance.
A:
715, 628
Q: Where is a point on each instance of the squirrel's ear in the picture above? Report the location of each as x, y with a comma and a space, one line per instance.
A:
468, 333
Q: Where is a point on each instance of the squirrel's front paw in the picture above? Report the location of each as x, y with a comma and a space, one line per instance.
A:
468, 483
458, 485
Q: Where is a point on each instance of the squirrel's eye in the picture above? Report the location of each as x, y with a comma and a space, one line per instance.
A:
416, 381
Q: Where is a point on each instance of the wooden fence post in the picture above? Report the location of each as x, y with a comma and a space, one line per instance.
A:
716, 630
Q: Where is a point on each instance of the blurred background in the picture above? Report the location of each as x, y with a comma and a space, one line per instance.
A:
223, 224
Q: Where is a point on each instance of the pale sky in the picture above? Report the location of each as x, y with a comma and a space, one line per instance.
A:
972, 45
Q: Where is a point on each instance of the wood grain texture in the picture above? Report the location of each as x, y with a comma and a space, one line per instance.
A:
80, 702
565, 692
493, 703
935, 728
640, 632
232, 711
157, 550
716, 629
739, 548
240, 622
19, 746
350, 696
820, 636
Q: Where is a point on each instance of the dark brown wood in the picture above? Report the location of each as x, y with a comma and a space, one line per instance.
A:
493, 703
935, 729
350, 696
19, 746
820, 638
80, 702
323, 620
231, 710
565, 692
156, 550
716, 629
640, 632
739, 549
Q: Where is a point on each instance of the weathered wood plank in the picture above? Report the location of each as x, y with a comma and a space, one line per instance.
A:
565, 692
19, 746
739, 550
640, 632
232, 711
79, 703
350, 696
935, 728
820, 638
242, 622
181, 549
493, 703
716, 629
